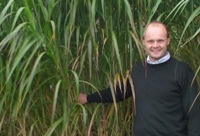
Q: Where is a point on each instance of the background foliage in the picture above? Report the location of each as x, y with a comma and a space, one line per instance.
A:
51, 50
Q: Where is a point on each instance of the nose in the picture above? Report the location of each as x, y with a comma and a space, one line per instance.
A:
155, 44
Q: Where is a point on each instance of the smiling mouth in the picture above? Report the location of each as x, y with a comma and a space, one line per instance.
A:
156, 51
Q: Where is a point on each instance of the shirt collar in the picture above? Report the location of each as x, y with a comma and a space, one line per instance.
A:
161, 60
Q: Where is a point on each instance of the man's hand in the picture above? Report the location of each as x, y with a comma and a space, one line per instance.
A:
82, 98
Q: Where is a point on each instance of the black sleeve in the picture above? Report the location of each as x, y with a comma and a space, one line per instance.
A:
191, 103
105, 96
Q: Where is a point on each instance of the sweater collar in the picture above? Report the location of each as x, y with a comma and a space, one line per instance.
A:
161, 60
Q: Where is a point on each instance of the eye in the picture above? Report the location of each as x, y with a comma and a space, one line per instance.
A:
150, 41
160, 41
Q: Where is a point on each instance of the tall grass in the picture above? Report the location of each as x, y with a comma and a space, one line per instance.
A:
51, 50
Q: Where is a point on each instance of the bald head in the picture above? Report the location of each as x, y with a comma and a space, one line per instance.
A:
156, 24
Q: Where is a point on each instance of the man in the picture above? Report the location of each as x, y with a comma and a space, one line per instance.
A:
166, 95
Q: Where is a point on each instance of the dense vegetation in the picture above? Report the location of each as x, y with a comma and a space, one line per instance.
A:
51, 50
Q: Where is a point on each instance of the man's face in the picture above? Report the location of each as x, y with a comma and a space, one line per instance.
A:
156, 41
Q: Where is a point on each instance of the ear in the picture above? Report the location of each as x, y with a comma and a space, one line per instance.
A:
143, 40
168, 41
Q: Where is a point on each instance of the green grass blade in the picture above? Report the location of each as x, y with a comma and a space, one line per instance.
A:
190, 19
3, 15
192, 37
11, 35
55, 100
84, 118
177, 9
130, 15
90, 56
33, 72
153, 11
53, 127
92, 120
17, 17
20, 55
114, 39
